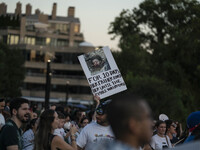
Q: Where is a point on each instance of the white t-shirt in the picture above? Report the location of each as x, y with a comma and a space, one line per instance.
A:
60, 132
94, 133
159, 143
2, 120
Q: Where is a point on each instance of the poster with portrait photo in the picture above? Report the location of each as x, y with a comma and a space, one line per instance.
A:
102, 72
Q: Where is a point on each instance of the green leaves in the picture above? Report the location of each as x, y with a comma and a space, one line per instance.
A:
11, 71
160, 55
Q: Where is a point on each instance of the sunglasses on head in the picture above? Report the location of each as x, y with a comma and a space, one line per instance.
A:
99, 111
174, 125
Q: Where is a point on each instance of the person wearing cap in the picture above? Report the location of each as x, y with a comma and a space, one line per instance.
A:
193, 123
2, 119
98, 131
131, 122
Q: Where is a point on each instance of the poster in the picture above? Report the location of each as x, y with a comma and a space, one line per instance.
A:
102, 73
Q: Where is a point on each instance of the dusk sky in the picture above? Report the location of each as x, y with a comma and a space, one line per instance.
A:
95, 15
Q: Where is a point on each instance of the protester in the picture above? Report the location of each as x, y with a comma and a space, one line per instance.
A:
171, 131
78, 115
67, 124
29, 135
7, 106
131, 123
10, 137
160, 140
2, 119
44, 138
96, 131
60, 130
53, 107
34, 115
193, 123
83, 123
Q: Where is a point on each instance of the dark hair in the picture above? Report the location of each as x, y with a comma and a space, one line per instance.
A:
60, 109
44, 129
90, 114
2, 100
53, 104
159, 122
31, 124
61, 115
84, 118
16, 103
168, 123
124, 106
96, 57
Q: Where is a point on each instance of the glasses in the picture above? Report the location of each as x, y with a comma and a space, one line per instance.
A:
99, 111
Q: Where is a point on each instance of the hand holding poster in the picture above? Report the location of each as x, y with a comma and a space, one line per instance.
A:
102, 73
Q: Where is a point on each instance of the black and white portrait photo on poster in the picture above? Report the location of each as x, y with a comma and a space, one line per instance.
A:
97, 62
102, 73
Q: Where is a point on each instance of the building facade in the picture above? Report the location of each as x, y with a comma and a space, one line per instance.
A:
44, 37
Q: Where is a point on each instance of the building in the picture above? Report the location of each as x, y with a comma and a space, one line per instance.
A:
44, 37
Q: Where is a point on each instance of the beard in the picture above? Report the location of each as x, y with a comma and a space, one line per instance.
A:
21, 118
102, 122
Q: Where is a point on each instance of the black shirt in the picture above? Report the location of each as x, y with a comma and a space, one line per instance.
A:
10, 135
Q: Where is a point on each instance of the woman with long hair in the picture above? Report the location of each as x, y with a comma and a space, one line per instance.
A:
171, 131
44, 138
29, 135
160, 140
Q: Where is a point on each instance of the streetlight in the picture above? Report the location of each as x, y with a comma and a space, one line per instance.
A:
67, 91
48, 84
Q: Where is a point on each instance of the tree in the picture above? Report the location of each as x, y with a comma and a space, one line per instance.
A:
12, 71
160, 46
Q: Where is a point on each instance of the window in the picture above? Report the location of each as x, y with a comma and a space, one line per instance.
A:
67, 58
62, 42
29, 40
48, 40
12, 39
62, 27
76, 28
40, 41
32, 55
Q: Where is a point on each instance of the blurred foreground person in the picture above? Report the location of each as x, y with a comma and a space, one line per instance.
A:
160, 140
44, 138
193, 123
11, 134
131, 123
96, 131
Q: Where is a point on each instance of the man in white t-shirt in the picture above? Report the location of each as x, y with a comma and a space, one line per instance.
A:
96, 132
2, 119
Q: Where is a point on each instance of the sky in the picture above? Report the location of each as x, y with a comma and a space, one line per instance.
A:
95, 15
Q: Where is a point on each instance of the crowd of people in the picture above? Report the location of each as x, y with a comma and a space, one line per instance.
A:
124, 123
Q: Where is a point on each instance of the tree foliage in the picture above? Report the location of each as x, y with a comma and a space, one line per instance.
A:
12, 71
160, 54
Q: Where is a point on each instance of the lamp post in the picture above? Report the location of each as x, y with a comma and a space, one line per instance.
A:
48, 84
67, 92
